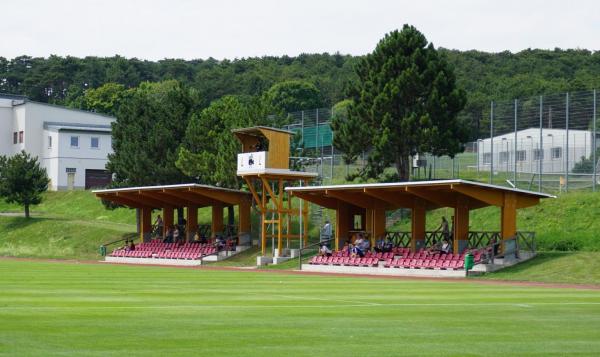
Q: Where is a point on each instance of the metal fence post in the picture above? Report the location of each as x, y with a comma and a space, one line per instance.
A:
492, 142
302, 130
594, 145
515, 149
541, 152
567, 143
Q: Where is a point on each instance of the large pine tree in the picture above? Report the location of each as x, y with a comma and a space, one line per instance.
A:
405, 101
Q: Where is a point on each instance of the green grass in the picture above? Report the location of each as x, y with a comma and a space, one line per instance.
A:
62, 309
555, 267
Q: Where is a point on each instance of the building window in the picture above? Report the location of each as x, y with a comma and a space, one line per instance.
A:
538, 154
75, 141
95, 142
71, 170
503, 157
521, 155
556, 153
20, 137
487, 158
49, 142
15, 137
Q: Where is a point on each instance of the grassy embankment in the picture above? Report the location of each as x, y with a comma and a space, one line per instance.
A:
71, 225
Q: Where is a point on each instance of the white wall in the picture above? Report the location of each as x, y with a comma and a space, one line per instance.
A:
30, 118
528, 141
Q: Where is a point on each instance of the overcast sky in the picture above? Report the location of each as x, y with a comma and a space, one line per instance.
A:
156, 29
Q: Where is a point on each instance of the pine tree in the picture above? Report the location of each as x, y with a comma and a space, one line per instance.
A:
406, 101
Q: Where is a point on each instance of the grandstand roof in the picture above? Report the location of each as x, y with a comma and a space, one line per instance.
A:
440, 193
181, 195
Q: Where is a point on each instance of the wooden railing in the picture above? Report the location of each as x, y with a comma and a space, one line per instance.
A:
480, 239
399, 239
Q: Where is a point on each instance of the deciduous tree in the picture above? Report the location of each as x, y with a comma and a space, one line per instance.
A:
22, 180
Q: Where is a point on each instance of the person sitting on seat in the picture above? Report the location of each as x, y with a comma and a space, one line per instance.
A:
325, 251
169, 236
436, 247
365, 245
132, 246
446, 247
176, 234
197, 238
379, 245
388, 246
126, 246
220, 242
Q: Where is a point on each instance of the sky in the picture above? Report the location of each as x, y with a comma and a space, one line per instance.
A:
157, 29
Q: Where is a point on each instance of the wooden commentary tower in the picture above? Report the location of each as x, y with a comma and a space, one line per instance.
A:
264, 164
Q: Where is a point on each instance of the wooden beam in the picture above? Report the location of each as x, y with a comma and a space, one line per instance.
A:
357, 198
165, 200
145, 201
191, 198
229, 198
121, 200
394, 198
440, 198
527, 201
491, 197
257, 199
274, 198
323, 201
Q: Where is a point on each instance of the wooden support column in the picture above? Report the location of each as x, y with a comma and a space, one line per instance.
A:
146, 224
509, 221
461, 224
192, 222
244, 217
368, 217
216, 225
417, 239
342, 224
378, 225
168, 219
263, 218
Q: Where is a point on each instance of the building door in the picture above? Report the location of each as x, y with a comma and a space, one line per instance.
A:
70, 181
96, 178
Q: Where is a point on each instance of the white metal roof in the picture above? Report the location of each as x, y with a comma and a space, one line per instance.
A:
160, 187
417, 183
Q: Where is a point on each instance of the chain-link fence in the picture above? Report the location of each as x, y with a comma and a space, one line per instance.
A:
544, 143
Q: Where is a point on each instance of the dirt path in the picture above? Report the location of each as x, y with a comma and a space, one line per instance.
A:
298, 272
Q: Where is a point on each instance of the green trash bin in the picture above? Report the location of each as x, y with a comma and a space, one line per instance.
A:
103, 250
469, 261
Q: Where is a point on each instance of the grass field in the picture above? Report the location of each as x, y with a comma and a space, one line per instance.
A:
66, 309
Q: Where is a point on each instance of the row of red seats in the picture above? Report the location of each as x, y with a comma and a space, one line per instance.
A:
321, 260
380, 256
179, 255
132, 253
424, 264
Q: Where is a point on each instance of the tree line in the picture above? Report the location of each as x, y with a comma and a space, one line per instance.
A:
483, 76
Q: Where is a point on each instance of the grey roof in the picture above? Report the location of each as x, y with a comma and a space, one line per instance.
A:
77, 126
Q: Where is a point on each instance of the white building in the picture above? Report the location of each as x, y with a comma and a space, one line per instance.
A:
71, 144
554, 152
